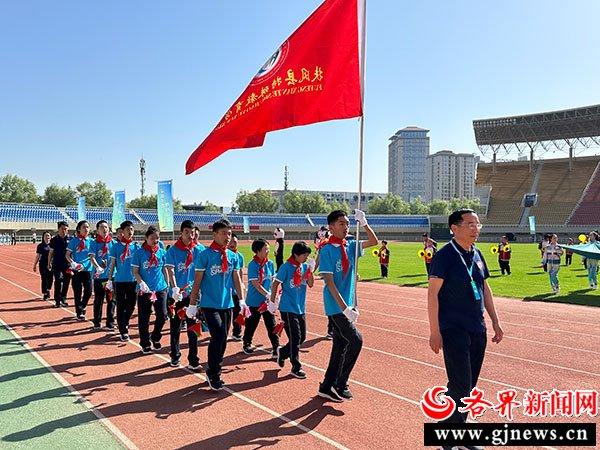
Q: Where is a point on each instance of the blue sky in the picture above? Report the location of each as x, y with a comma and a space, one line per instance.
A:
106, 82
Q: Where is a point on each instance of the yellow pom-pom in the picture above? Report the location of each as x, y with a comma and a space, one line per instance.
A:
494, 249
375, 252
506, 248
421, 253
428, 254
582, 238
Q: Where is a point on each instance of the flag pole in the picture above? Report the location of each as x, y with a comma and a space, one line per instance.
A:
362, 21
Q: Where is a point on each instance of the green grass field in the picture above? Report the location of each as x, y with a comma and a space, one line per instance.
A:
528, 281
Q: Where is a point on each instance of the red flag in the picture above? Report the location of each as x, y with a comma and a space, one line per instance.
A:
196, 328
278, 329
240, 320
313, 77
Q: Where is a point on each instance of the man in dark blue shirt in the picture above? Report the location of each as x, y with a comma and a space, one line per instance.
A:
458, 293
57, 263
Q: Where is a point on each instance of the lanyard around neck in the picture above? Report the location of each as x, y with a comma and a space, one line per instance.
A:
469, 269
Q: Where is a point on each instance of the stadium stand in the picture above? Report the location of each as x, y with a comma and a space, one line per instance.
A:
14, 212
587, 211
270, 220
94, 214
384, 221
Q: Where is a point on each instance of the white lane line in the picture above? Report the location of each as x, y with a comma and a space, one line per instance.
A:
80, 398
164, 358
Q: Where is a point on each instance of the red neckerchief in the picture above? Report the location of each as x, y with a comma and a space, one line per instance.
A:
104, 241
261, 268
186, 248
81, 245
125, 253
153, 260
345, 260
322, 243
223, 251
297, 272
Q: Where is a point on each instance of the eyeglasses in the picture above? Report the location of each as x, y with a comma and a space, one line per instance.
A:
473, 226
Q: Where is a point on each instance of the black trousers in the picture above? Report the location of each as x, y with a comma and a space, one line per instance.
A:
295, 328
504, 266
384, 270
463, 357
237, 328
175, 332
61, 285
347, 343
82, 290
218, 322
145, 306
252, 324
126, 299
568, 259
428, 268
46, 279
99, 295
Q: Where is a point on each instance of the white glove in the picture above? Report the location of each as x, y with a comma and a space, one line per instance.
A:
311, 263
268, 296
75, 266
244, 308
176, 294
351, 314
271, 307
191, 311
144, 289
360, 217
109, 286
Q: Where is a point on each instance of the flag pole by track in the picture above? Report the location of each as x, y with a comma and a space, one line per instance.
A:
362, 23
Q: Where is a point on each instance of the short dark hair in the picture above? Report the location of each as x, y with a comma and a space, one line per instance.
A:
100, 222
196, 228
151, 230
335, 215
220, 224
186, 224
301, 248
127, 223
234, 236
384, 242
595, 234
118, 229
258, 245
456, 217
425, 234
61, 223
80, 224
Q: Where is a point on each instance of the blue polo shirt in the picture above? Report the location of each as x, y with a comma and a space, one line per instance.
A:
330, 261
255, 298
293, 298
152, 275
123, 271
97, 249
458, 307
176, 259
216, 286
83, 256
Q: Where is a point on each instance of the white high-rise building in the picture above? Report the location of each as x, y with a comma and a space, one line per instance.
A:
407, 155
450, 175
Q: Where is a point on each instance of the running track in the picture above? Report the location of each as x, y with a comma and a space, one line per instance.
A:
150, 405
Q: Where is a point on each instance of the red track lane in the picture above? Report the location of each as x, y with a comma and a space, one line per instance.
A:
147, 400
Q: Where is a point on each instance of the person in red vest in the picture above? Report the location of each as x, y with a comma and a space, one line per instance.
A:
504, 252
429, 247
384, 259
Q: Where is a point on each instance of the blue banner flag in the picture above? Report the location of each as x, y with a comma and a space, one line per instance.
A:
531, 224
81, 209
164, 205
246, 225
118, 213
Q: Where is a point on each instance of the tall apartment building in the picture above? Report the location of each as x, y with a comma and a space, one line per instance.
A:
450, 175
407, 156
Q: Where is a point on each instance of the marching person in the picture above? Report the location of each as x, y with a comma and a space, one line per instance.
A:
458, 293
592, 264
569, 252
236, 327
216, 272
148, 267
180, 270
293, 277
430, 248
41, 257
384, 259
260, 277
338, 267
504, 254
120, 272
57, 264
100, 257
78, 256
551, 260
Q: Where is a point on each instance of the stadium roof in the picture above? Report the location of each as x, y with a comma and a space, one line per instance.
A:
576, 124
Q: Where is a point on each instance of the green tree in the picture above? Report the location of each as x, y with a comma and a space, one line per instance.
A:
60, 195
210, 207
418, 207
257, 201
470, 203
295, 202
344, 206
439, 208
18, 190
390, 204
292, 202
150, 202
97, 194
